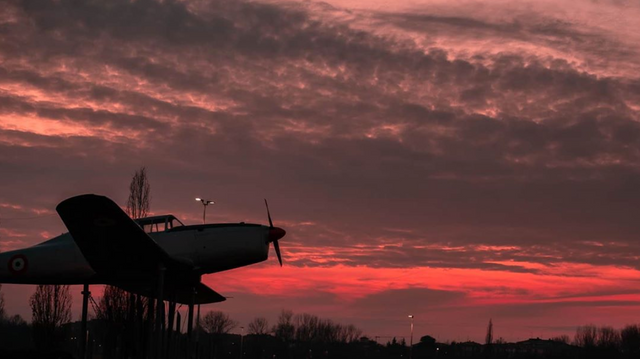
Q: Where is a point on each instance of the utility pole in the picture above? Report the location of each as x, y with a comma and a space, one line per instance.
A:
83, 327
411, 340
241, 342
205, 203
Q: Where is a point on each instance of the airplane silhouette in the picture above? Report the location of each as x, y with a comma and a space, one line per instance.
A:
157, 257
105, 246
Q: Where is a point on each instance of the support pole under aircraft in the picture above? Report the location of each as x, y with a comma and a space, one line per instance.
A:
151, 302
198, 333
159, 312
190, 325
83, 327
139, 327
170, 323
178, 343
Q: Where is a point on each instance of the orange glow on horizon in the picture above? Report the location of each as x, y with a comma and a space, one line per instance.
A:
351, 283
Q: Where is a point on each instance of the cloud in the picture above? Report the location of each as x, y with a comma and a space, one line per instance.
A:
414, 300
343, 112
439, 137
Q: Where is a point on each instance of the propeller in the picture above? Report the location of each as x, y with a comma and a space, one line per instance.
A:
275, 233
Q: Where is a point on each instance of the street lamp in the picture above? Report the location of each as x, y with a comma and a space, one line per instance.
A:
411, 339
205, 203
241, 340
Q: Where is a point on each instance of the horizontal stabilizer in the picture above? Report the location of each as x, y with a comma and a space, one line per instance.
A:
177, 292
204, 295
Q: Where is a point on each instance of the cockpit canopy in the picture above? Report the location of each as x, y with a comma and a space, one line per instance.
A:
159, 223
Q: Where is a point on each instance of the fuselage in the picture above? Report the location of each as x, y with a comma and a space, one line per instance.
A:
207, 248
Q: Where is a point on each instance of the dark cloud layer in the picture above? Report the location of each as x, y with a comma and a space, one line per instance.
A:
382, 139
505, 148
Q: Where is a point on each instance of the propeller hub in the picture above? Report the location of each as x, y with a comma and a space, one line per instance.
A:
276, 233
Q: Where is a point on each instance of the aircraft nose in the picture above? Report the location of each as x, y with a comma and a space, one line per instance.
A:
276, 233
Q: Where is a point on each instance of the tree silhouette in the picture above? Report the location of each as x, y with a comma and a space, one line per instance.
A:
561, 339
112, 307
488, 339
138, 205
216, 322
15, 334
284, 329
113, 310
608, 338
259, 326
122, 311
306, 327
51, 308
2, 314
586, 336
630, 340
139, 195
350, 333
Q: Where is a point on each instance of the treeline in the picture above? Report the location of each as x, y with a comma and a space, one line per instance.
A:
114, 332
15, 333
310, 328
292, 336
289, 327
606, 340
122, 327
589, 342
50, 311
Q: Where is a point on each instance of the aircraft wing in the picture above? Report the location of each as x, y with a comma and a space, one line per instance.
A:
109, 239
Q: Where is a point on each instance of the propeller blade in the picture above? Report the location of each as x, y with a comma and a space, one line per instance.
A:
268, 214
275, 233
276, 246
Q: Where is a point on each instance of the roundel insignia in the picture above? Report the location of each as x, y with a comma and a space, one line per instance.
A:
104, 222
18, 264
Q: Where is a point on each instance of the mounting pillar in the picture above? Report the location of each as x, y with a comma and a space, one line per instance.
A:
178, 343
159, 312
151, 302
170, 323
198, 333
83, 327
190, 324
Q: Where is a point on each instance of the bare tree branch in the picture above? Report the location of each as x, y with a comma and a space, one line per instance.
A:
285, 330
51, 308
139, 195
259, 326
2, 314
216, 322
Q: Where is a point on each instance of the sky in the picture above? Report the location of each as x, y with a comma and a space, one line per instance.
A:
458, 161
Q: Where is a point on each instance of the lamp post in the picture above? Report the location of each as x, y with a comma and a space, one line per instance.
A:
205, 203
411, 339
198, 329
241, 342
